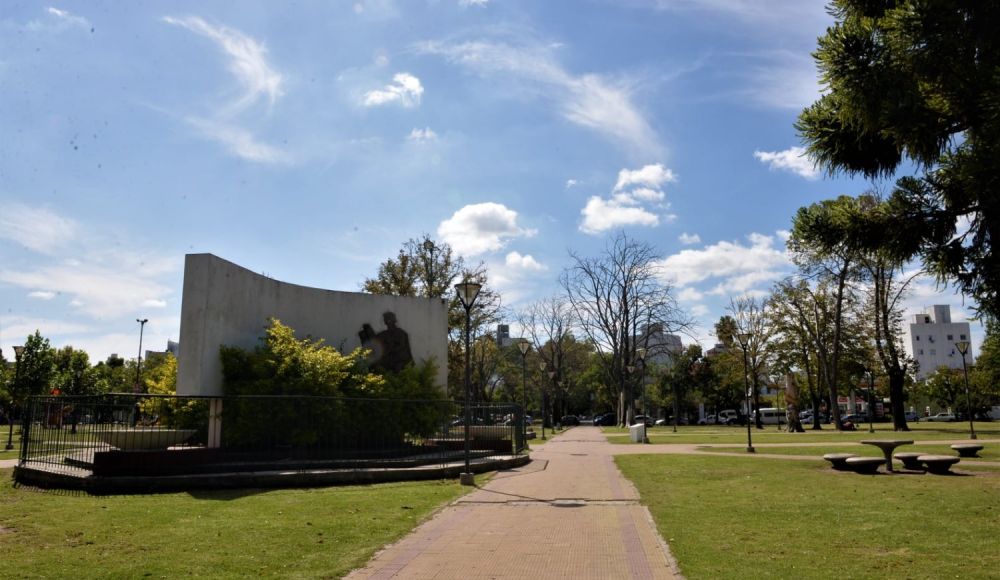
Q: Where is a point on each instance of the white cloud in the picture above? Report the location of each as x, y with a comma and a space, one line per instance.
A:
744, 283
571, 183
467, 3
651, 176
699, 310
101, 283
625, 206
689, 295
600, 215
481, 227
239, 141
516, 261
422, 135
247, 60
689, 239
100, 291
36, 228
405, 89
588, 100
69, 19
794, 159
729, 260
57, 21
154, 303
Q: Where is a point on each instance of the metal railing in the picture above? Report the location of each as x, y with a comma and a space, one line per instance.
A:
142, 435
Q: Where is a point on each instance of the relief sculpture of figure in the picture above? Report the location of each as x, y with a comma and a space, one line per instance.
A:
390, 348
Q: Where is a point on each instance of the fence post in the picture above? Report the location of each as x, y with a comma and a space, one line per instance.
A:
215, 423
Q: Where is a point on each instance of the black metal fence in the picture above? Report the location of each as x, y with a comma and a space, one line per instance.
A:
143, 435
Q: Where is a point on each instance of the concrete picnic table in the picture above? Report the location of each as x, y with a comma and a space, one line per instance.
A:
887, 446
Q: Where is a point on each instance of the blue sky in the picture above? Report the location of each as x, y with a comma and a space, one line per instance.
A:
309, 140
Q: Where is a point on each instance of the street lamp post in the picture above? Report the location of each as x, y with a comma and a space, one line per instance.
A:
138, 365
542, 366
552, 381
18, 350
744, 339
524, 346
467, 293
641, 354
963, 348
871, 399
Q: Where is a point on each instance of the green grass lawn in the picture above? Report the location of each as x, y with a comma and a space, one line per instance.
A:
723, 434
990, 452
727, 517
322, 532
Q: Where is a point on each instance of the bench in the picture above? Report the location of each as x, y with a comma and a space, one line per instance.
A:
910, 459
866, 465
839, 460
938, 464
967, 449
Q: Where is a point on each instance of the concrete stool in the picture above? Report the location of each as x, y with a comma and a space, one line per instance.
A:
839, 460
968, 449
938, 464
910, 460
866, 465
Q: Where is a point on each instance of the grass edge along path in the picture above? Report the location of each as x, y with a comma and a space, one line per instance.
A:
722, 434
728, 517
314, 532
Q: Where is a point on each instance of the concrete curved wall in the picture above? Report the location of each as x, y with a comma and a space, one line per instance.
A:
226, 304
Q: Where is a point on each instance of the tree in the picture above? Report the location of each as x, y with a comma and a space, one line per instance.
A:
822, 249
422, 268
985, 375
614, 297
946, 387
36, 368
751, 317
687, 374
916, 83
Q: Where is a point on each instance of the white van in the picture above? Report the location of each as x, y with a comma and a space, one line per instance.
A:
771, 416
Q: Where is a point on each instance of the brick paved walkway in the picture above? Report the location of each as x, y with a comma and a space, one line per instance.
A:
568, 514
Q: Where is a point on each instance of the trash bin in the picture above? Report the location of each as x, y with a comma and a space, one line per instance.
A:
637, 433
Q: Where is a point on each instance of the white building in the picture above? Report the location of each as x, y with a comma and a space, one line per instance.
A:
932, 340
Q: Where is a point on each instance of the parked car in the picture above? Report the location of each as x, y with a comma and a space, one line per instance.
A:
642, 419
728, 417
854, 418
912, 416
569, 421
707, 420
605, 420
947, 417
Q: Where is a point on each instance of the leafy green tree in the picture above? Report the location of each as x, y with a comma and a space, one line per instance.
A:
112, 376
823, 251
688, 374
916, 84
72, 373
37, 368
985, 375
946, 387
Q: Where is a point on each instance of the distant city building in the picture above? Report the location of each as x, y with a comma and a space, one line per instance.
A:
932, 340
503, 336
661, 348
717, 350
173, 347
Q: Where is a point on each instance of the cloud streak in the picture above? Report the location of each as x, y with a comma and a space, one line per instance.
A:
404, 90
247, 61
36, 228
588, 100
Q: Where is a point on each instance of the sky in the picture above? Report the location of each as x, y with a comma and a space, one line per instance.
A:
309, 140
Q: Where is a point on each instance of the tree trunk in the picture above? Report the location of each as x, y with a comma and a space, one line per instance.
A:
896, 381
